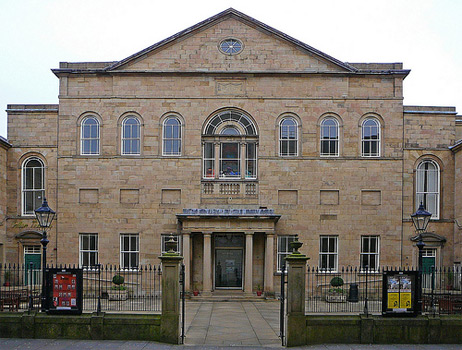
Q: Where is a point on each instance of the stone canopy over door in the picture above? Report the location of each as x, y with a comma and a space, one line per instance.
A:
228, 249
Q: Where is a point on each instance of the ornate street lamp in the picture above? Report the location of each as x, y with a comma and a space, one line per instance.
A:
420, 219
44, 216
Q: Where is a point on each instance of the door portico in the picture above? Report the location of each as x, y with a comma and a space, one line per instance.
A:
228, 249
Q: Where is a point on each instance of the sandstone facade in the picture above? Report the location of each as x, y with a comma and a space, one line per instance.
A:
346, 196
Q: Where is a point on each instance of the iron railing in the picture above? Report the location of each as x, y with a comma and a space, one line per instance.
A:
361, 291
21, 286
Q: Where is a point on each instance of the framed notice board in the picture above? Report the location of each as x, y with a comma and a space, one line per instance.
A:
399, 293
64, 291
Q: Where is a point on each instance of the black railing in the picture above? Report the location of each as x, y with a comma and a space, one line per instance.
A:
138, 290
359, 291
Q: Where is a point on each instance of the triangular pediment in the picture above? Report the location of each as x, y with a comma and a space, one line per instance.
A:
265, 49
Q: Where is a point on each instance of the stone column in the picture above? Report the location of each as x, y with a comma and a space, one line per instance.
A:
248, 275
207, 265
170, 318
187, 260
296, 276
269, 264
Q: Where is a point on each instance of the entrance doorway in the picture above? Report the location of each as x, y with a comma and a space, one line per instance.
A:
428, 264
229, 255
32, 264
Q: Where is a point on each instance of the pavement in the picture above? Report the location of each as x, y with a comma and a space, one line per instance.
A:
214, 326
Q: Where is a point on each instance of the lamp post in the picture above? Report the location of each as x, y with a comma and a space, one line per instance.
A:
420, 219
44, 216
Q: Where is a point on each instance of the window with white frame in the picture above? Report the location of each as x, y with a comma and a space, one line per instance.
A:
131, 137
370, 138
288, 137
370, 253
231, 137
284, 249
171, 137
129, 250
89, 135
33, 185
428, 187
88, 246
329, 137
167, 237
328, 253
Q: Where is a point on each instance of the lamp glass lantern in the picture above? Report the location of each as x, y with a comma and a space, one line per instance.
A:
421, 218
45, 215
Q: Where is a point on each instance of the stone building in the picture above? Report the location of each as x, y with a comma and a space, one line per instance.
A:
235, 137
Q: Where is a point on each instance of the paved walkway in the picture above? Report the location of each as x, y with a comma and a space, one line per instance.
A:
61, 344
232, 323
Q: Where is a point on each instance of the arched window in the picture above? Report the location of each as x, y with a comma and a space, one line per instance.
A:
131, 136
230, 147
370, 138
288, 137
329, 137
428, 187
33, 185
90, 136
171, 137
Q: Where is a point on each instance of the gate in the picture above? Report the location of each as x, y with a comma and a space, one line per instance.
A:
282, 308
182, 297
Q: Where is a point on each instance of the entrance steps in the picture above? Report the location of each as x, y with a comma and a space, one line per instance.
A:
227, 295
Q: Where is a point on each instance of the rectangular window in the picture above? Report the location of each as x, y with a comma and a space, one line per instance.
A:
88, 243
209, 160
129, 250
165, 238
370, 253
251, 160
230, 160
283, 249
328, 253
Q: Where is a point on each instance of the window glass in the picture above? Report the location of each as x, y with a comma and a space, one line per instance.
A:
288, 137
329, 137
230, 160
88, 249
172, 137
369, 253
427, 187
90, 136
131, 136
370, 138
284, 250
33, 185
129, 251
328, 253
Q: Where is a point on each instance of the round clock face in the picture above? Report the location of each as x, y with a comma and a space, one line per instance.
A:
231, 46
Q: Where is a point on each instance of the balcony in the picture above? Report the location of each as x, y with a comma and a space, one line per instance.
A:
229, 192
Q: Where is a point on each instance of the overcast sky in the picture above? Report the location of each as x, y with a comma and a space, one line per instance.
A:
35, 35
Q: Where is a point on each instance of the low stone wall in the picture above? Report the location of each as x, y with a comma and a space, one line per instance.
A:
383, 330
85, 326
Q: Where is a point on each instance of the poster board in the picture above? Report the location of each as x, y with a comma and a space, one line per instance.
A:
64, 291
399, 293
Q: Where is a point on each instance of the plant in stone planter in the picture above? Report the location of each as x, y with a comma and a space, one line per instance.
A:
118, 291
195, 290
336, 293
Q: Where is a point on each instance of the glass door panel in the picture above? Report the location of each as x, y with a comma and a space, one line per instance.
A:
228, 268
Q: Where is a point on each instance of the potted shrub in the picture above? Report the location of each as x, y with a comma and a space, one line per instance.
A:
336, 293
195, 290
7, 277
118, 291
259, 290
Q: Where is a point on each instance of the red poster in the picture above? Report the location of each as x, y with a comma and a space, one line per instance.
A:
64, 290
